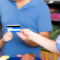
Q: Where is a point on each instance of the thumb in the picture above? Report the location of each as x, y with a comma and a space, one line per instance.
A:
21, 30
18, 34
19, 55
24, 31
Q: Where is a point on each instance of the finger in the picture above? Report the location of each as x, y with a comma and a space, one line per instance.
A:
32, 58
21, 30
18, 34
26, 58
23, 57
19, 55
6, 35
24, 37
10, 33
21, 35
5, 38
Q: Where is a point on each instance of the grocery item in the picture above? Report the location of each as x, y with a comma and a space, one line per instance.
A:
55, 16
4, 57
48, 56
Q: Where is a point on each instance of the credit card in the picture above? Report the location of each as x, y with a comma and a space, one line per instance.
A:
13, 28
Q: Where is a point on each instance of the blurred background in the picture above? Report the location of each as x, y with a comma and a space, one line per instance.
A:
54, 6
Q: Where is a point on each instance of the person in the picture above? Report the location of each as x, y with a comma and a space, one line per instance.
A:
44, 42
32, 14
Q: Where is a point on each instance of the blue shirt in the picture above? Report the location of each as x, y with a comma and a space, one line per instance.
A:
35, 16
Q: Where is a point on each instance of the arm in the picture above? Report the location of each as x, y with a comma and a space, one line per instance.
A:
44, 34
46, 43
7, 37
2, 43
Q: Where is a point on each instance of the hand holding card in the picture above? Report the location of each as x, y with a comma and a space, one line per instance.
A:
7, 36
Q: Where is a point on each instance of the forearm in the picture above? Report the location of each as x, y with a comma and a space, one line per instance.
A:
2, 43
33, 44
46, 43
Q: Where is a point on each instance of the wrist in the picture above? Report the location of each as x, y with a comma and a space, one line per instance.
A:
3, 40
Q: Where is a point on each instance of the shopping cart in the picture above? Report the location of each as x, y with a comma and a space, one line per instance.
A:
16, 58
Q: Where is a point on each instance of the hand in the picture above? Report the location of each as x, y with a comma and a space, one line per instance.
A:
7, 36
25, 35
30, 56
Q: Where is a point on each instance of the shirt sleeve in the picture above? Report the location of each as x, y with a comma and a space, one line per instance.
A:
58, 43
44, 19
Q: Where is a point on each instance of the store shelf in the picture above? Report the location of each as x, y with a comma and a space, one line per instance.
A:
56, 20
52, 1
